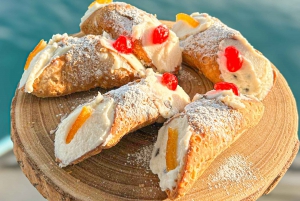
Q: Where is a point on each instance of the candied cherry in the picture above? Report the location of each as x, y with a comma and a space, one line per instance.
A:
234, 59
123, 45
227, 86
188, 19
169, 80
160, 34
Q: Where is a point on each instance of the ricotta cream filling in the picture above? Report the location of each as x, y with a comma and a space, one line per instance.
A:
89, 136
255, 76
225, 96
158, 159
41, 61
166, 57
169, 102
183, 29
107, 42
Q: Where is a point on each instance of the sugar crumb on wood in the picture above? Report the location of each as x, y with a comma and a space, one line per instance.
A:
235, 171
141, 157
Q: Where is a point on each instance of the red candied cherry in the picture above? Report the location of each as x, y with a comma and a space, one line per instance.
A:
123, 45
227, 86
169, 80
160, 34
234, 59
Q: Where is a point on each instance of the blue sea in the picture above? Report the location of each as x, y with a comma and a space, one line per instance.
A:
272, 27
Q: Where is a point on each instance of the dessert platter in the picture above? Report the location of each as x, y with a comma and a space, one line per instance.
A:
134, 108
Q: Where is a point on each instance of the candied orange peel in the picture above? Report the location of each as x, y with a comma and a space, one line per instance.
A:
85, 113
104, 1
92, 4
100, 2
41, 45
188, 19
171, 152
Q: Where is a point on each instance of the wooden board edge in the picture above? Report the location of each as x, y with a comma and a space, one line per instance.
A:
48, 190
284, 170
43, 184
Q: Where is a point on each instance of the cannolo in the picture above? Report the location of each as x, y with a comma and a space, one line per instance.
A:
223, 54
69, 64
102, 122
188, 142
153, 43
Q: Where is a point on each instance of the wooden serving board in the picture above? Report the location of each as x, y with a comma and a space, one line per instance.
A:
122, 173
251, 167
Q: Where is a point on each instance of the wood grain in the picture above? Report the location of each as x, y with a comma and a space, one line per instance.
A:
115, 174
119, 174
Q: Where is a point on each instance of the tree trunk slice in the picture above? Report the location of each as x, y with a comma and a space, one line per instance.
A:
121, 173
117, 173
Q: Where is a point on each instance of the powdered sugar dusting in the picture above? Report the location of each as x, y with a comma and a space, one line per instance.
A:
124, 16
141, 157
134, 104
235, 170
145, 100
86, 53
206, 43
185, 75
212, 117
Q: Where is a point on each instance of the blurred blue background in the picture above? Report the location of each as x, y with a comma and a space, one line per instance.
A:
272, 27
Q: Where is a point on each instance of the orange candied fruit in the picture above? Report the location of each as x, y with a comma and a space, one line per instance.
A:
85, 113
188, 19
41, 45
171, 152
100, 2
92, 4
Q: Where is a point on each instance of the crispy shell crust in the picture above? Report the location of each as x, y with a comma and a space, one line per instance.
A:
70, 73
203, 150
117, 20
206, 60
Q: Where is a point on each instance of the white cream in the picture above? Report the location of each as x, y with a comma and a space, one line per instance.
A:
107, 42
183, 29
158, 159
166, 100
225, 96
166, 57
255, 76
41, 61
89, 136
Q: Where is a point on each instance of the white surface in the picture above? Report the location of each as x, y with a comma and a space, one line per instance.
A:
14, 186
6, 145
